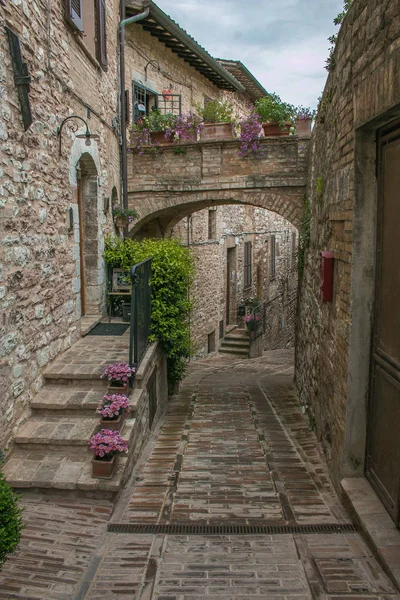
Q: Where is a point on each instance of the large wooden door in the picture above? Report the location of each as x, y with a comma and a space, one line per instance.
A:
81, 250
383, 448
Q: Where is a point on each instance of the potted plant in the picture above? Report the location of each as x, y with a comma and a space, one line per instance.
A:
107, 445
112, 410
252, 321
118, 375
157, 123
303, 117
218, 120
123, 216
276, 116
185, 127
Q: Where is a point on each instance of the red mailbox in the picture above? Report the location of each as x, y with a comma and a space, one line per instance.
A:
327, 276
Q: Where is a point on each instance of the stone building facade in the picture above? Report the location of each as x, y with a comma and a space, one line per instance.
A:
241, 253
347, 358
55, 209
52, 207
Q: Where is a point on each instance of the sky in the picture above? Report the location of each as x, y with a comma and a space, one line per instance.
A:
282, 42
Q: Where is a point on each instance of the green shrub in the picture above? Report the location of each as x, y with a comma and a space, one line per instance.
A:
10, 520
172, 276
216, 112
273, 110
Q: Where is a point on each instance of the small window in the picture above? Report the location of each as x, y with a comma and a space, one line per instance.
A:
212, 224
273, 257
143, 100
211, 342
247, 265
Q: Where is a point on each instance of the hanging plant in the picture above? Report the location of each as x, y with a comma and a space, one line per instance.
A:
250, 133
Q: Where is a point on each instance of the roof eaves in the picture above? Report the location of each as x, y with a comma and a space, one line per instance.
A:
245, 71
187, 40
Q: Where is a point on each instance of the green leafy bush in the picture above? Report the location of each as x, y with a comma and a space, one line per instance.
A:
273, 110
216, 112
10, 520
155, 120
172, 276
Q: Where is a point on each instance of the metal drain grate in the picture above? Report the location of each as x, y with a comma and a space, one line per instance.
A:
201, 529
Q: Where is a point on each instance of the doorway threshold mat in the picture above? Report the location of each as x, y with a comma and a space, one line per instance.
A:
109, 329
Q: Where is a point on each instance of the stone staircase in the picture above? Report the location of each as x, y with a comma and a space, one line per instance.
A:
51, 448
237, 343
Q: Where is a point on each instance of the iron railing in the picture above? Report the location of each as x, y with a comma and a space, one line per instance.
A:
140, 312
275, 319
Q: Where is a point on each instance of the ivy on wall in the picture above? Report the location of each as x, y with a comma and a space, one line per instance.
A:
330, 61
172, 276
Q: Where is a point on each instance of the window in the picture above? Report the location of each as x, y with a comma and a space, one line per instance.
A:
273, 257
247, 265
143, 100
89, 17
212, 224
294, 248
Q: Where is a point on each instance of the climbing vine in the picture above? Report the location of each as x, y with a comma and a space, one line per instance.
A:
304, 237
172, 276
330, 61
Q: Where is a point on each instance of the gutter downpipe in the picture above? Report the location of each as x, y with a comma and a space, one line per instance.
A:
123, 23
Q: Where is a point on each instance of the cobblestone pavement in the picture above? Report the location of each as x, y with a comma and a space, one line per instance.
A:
234, 448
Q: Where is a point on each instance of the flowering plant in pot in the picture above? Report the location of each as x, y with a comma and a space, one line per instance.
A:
123, 216
303, 116
106, 445
252, 321
185, 127
250, 130
112, 410
157, 124
118, 375
218, 119
276, 115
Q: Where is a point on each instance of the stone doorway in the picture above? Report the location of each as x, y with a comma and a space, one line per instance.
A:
231, 317
88, 215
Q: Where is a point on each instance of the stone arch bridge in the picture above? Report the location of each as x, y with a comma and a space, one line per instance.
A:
174, 183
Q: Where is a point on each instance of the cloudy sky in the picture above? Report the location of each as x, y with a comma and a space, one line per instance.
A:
282, 42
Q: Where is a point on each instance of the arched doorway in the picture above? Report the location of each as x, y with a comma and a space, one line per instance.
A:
88, 214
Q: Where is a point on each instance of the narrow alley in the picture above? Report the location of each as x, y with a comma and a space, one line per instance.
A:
230, 499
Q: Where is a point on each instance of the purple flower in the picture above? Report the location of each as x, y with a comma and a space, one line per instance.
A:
118, 372
107, 443
112, 405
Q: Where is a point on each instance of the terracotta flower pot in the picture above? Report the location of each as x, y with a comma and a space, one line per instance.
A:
273, 129
121, 222
217, 131
158, 137
115, 388
113, 424
103, 469
303, 126
191, 137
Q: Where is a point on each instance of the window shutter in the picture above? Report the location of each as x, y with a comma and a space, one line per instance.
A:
127, 115
101, 22
74, 13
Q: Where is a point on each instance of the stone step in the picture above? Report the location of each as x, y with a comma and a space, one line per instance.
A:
61, 471
245, 344
236, 337
68, 400
235, 351
54, 432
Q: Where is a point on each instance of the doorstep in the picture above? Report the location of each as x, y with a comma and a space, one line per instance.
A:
89, 322
375, 522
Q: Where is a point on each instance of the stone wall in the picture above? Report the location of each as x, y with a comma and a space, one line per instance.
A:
333, 339
39, 252
235, 225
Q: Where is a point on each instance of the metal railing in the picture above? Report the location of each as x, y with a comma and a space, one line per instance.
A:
275, 320
140, 312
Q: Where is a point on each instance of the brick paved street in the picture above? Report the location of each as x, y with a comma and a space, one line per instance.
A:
234, 448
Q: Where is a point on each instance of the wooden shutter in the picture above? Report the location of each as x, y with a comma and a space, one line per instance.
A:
74, 13
247, 265
21, 77
101, 37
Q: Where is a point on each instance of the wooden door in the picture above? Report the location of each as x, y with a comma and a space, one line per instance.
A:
81, 250
383, 448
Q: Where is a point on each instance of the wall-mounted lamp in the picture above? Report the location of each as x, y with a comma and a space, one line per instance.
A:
153, 63
87, 135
